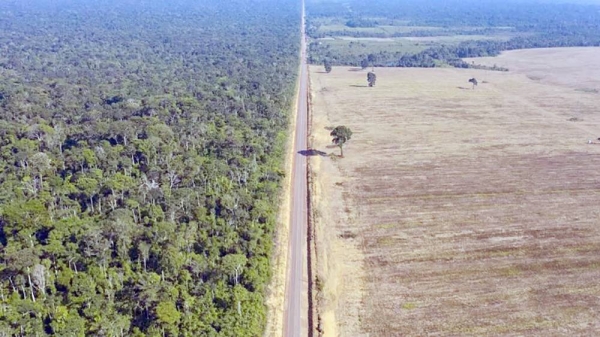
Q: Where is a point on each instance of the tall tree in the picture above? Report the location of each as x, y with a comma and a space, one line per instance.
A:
341, 134
473, 81
327, 65
371, 78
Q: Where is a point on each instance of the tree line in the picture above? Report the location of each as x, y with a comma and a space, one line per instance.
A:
533, 25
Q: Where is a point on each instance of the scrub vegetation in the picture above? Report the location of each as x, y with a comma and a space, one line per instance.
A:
140, 161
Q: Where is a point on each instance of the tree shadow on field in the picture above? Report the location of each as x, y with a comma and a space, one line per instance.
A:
355, 69
321, 72
312, 153
359, 86
464, 88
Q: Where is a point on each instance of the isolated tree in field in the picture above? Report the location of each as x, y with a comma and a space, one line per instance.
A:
371, 78
364, 64
341, 134
473, 81
327, 65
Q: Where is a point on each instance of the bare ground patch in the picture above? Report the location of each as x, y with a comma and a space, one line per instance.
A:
577, 68
458, 212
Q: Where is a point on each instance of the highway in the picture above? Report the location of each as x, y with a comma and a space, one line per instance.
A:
294, 325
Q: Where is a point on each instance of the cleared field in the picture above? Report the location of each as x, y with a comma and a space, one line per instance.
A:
577, 68
445, 39
331, 29
457, 212
455, 39
364, 46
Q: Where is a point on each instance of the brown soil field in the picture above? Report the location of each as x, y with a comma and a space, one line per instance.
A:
459, 212
577, 68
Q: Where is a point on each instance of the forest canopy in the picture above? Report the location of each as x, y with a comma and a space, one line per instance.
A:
140, 160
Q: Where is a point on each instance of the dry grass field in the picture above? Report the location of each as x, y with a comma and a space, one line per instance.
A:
577, 68
460, 212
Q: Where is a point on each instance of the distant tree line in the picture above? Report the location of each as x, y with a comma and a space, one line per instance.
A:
453, 54
523, 15
314, 32
535, 26
359, 22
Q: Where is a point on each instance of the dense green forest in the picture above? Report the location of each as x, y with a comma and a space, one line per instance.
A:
494, 26
140, 159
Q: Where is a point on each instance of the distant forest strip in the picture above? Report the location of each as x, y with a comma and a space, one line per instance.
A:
536, 25
141, 148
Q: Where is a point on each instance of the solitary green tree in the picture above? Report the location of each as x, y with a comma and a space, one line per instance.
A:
341, 134
327, 65
371, 78
473, 81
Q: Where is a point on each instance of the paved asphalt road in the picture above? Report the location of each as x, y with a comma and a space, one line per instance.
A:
293, 324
